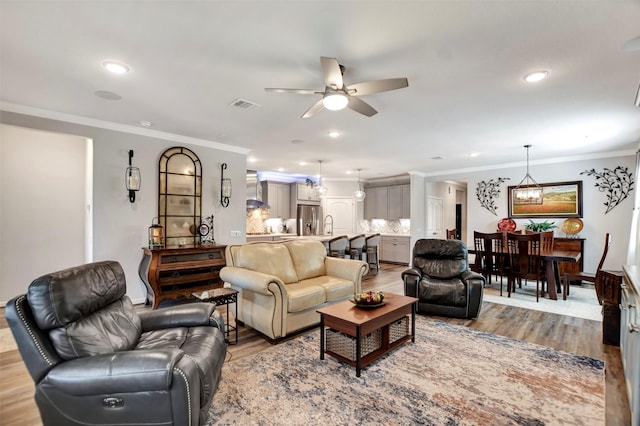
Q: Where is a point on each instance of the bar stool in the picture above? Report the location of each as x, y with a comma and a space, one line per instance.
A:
356, 246
371, 244
338, 246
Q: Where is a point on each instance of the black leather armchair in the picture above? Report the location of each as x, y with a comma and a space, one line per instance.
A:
441, 280
95, 360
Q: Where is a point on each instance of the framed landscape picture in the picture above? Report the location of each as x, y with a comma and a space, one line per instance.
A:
559, 199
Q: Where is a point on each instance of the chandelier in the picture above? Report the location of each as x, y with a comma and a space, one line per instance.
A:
528, 191
359, 193
320, 188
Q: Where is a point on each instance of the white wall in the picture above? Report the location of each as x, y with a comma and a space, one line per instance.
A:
120, 227
41, 229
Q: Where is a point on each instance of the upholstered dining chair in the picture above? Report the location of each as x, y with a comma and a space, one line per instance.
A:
339, 246
356, 246
451, 234
491, 258
590, 277
525, 261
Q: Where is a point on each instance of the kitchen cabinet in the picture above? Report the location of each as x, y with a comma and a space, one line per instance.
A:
388, 202
399, 202
306, 194
395, 249
278, 196
376, 203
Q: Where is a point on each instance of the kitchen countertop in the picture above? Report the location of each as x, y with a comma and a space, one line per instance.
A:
320, 237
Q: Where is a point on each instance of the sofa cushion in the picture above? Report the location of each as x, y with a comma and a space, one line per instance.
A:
272, 259
335, 288
308, 258
304, 295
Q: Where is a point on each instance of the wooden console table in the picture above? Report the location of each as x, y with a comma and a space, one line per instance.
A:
179, 271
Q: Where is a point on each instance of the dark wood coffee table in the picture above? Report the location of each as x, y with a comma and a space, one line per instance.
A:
357, 322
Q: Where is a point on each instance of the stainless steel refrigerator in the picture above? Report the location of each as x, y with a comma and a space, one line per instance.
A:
309, 220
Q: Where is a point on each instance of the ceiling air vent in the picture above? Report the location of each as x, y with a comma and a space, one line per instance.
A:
244, 104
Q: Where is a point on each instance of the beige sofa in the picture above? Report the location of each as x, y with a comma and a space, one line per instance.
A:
282, 284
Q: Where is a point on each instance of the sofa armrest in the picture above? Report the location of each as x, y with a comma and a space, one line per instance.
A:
469, 276
247, 279
475, 285
411, 277
190, 315
142, 370
348, 269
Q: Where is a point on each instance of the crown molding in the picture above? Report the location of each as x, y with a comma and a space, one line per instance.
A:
125, 128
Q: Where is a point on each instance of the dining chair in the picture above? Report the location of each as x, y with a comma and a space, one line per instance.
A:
451, 234
525, 261
490, 255
590, 277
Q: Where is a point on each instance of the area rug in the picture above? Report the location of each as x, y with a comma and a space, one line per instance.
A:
451, 375
582, 301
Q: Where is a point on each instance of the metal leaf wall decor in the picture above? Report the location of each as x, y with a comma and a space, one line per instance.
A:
488, 191
617, 183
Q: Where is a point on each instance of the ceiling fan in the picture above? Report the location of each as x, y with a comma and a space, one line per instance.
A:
336, 95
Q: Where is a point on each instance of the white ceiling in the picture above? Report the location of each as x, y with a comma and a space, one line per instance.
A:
465, 62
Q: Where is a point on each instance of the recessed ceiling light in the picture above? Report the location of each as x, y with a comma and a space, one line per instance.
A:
474, 154
302, 163
251, 160
115, 67
280, 169
334, 134
536, 76
348, 172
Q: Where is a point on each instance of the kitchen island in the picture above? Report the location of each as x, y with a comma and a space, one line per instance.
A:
394, 248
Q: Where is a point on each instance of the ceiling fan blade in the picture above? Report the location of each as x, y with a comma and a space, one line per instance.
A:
331, 74
358, 105
297, 91
318, 106
377, 86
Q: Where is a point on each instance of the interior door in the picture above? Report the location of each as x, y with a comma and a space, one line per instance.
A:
435, 217
341, 210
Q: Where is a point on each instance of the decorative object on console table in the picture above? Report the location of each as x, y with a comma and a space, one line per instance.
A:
206, 231
156, 237
168, 273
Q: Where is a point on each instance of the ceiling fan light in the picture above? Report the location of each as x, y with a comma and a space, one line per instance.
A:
335, 101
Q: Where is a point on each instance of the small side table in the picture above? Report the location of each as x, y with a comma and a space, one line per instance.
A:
225, 296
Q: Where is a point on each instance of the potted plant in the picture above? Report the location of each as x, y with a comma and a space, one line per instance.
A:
540, 226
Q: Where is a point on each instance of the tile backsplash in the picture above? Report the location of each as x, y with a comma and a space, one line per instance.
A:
398, 226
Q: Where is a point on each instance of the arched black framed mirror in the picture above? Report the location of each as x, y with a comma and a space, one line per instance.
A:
179, 196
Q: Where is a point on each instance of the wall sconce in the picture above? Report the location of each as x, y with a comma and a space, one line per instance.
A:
132, 179
225, 187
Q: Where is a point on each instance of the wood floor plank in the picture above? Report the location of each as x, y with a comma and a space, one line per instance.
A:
570, 334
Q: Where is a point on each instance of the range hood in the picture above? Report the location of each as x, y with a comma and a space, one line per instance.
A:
254, 191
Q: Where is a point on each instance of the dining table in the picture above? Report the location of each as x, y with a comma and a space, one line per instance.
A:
551, 259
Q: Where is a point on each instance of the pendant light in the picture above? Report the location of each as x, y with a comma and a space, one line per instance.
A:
359, 193
528, 191
322, 190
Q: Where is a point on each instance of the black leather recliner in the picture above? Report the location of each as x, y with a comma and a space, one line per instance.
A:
95, 360
441, 280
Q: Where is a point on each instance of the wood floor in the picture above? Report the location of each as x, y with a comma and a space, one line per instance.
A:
569, 334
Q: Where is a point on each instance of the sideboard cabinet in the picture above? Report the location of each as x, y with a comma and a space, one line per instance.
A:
170, 272
570, 244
